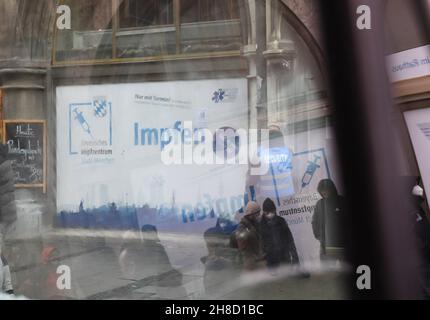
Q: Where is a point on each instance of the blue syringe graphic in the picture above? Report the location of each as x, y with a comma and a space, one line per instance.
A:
310, 171
83, 122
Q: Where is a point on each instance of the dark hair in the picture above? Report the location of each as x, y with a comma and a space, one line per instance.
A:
149, 228
269, 206
329, 185
275, 134
150, 232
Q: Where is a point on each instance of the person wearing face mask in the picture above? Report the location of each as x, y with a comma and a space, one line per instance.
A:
278, 241
248, 238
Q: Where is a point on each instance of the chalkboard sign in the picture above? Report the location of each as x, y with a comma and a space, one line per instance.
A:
26, 142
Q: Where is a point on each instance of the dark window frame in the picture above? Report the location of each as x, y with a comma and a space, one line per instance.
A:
114, 27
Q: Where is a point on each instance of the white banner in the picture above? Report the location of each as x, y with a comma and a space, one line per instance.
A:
109, 169
110, 139
409, 64
110, 173
418, 122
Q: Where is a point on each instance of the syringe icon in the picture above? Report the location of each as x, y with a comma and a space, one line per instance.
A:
83, 122
310, 171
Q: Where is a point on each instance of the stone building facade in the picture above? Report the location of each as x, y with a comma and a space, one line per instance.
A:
280, 55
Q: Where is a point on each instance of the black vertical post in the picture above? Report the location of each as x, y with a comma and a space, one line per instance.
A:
380, 233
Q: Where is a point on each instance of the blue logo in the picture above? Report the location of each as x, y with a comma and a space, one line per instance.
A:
218, 96
80, 118
100, 108
90, 126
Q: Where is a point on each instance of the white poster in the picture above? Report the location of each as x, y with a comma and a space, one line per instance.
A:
109, 169
409, 64
110, 172
110, 139
418, 122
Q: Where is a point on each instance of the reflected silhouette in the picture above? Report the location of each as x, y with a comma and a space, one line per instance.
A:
145, 262
222, 264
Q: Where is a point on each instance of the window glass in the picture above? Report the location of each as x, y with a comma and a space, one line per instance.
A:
91, 35
208, 26
135, 13
146, 29
179, 151
207, 10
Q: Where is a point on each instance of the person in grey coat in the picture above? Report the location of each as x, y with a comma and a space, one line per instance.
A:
8, 213
5, 277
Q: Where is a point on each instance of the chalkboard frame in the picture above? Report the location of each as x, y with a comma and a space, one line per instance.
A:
45, 151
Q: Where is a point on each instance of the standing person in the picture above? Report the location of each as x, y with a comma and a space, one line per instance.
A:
329, 219
248, 237
278, 241
422, 233
8, 213
5, 277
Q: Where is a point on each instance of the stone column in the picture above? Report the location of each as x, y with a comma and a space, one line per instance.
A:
26, 28
279, 54
255, 40
25, 98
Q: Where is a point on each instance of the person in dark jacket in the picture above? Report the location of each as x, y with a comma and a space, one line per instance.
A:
278, 241
329, 219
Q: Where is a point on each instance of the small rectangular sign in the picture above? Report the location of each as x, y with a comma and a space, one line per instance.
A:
409, 64
26, 140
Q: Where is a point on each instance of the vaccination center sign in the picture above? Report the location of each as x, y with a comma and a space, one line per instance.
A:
110, 172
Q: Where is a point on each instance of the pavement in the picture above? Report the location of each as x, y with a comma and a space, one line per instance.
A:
169, 270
